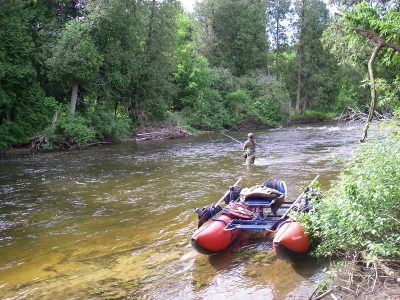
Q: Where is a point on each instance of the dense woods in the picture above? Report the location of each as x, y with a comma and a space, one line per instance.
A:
80, 71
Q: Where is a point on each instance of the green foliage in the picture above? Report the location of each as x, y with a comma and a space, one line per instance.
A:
192, 78
7, 134
319, 73
82, 129
75, 56
389, 93
384, 23
269, 100
24, 107
327, 278
272, 107
237, 102
350, 46
233, 34
110, 127
79, 130
208, 112
361, 211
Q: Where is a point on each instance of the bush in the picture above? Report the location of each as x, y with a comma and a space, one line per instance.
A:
208, 112
361, 212
110, 127
270, 102
7, 135
79, 130
99, 125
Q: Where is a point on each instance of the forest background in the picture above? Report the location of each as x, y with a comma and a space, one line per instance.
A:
74, 72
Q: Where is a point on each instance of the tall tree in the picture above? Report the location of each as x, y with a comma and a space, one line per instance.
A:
235, 32
48, 19
317, 72
279, 12
24, 109
76, 60
154, 87
137, 40
382, 28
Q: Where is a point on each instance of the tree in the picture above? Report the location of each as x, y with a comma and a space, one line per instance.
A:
233, 34
76, 60
24, 108
137, 40
47, 20
366, 25
278, 13
317, 82
154, 89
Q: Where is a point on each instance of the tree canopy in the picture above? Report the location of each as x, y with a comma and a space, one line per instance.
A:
231, 64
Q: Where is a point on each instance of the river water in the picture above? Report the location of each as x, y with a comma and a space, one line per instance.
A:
115, 222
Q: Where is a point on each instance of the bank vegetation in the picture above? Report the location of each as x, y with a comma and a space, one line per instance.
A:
85, 72
357, 222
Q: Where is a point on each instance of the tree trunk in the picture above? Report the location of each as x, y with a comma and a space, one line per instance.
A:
301, 54
277, 49
305, 101
373, 90
74, 97
149, 40
298, 92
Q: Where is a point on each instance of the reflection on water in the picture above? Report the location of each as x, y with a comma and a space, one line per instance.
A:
115, 222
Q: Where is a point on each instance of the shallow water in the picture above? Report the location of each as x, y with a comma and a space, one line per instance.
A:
115, 222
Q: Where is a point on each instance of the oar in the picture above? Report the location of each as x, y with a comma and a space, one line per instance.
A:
232, 138
298, 198
227, 193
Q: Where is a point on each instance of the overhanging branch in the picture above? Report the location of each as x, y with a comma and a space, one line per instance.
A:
372, 36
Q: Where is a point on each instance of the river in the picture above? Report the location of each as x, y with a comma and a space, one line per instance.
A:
114, 222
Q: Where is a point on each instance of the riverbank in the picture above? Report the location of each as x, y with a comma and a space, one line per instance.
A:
145, 133
356, 281
160, 133
155, 132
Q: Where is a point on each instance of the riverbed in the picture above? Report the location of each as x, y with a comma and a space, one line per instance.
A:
114, 222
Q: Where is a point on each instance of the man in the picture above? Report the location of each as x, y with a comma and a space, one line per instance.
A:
249, 147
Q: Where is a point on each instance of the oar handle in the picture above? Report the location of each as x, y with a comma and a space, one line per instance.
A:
227, 193
298, 198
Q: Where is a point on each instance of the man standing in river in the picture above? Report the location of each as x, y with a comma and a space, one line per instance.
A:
249, 147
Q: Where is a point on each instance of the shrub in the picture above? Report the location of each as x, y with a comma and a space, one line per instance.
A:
79, 130
269, 100
208, 112
6, 135
361, 211
110, 127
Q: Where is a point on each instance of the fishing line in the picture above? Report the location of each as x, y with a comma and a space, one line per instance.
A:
232, 138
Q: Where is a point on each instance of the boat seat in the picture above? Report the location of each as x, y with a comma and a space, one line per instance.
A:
258, 202
253, 225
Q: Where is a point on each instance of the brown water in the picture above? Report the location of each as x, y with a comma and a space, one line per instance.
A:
115, 222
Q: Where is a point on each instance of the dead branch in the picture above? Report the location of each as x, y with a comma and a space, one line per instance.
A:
352, 115
322, 295
388, 271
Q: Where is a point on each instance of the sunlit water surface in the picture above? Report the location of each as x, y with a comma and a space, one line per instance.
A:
115, 222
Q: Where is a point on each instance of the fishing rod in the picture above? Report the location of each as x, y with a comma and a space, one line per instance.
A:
232, 138
299, 198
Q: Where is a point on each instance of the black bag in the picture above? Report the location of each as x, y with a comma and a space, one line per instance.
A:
205, 213
245, 155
